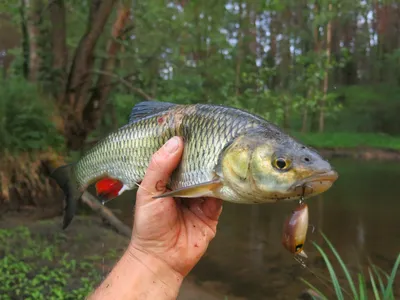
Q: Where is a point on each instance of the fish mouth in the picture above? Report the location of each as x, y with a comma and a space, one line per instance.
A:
330, 176
317, 183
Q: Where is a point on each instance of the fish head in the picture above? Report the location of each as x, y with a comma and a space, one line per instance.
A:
278, 168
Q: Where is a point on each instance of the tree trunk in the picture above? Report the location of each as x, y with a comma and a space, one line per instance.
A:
273, 50
239, 51
306, 47
317, 48
305, 120
25, 39
79, 79
32, 9
95, 107
59, 46
326, 76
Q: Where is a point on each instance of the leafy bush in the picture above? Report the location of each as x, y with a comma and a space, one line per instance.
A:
365, 108
27, 138
25, 118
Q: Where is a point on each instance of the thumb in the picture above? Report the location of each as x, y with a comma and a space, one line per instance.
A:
160, 168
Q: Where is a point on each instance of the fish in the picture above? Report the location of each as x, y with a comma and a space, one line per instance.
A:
295, 230
229, 154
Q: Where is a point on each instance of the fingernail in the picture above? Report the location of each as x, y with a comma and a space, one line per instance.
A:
172, 145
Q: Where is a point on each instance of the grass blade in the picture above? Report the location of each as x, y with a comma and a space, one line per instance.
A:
389, 287
381, 284
382, 271
314, 288
362, 286
345, 270
334, 278
374, 288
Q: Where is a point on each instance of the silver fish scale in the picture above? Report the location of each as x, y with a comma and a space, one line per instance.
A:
206, 130
205, 140
124, 154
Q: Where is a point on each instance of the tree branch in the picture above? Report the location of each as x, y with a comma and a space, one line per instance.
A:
106, 214
125, 77
128, 29
120, 79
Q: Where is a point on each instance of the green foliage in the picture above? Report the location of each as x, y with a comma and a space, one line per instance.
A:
34, 267
377, 277
368, 108
25, 123
203, 52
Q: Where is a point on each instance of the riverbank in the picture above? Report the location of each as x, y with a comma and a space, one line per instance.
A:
41, 260
349, 140
363, 153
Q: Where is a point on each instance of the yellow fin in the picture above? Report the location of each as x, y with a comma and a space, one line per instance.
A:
199, 190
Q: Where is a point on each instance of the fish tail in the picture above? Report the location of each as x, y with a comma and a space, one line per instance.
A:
66, 180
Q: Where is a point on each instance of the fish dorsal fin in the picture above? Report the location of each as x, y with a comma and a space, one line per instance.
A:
146, 108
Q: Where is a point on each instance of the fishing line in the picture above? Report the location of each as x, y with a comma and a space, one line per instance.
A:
141, 186
105, 201
103, 262
303, 264
300, 260
319, 276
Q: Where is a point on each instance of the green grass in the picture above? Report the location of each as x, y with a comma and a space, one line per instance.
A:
349, 140
381, 282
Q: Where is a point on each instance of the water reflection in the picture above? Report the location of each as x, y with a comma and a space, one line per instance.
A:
359, 215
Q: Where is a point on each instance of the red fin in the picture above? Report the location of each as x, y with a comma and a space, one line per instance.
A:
108, 188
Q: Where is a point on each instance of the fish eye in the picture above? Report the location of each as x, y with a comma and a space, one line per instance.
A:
281, 163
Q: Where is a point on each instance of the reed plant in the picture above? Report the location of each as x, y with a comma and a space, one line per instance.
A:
356, 287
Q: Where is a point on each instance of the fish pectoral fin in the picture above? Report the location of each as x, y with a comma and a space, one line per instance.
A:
205, 189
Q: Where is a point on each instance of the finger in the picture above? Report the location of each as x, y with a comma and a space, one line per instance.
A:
160, 168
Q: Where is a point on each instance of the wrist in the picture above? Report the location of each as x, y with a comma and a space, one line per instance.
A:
139, 275
155, 269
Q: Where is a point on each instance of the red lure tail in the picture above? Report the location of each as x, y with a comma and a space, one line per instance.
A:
108, 188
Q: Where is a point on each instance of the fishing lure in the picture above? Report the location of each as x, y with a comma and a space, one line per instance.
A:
295, 230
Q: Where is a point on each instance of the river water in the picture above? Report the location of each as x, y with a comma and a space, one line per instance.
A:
359, 214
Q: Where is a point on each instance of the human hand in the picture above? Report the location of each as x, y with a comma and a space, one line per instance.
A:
175, 231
